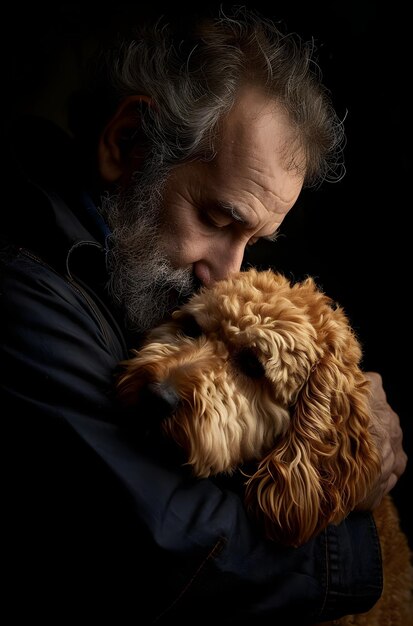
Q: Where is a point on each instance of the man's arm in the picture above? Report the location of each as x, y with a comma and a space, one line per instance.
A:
109, 526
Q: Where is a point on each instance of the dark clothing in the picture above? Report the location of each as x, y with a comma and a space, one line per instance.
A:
104, 525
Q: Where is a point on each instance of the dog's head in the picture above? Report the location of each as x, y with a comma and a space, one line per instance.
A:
257, 369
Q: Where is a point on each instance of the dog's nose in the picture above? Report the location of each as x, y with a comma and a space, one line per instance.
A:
161, 398
157, 401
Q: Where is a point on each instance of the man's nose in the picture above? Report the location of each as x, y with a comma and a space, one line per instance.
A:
219, 264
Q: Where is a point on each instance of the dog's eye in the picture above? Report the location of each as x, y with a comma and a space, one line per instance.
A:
190, 327
249, 364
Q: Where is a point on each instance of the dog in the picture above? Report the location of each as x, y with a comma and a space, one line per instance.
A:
260, 372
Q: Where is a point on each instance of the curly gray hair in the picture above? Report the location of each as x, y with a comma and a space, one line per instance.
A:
193, 77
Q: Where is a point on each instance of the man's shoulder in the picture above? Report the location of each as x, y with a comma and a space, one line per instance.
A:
22, 271
33, 292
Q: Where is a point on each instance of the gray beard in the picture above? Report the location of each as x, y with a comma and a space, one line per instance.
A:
142, 281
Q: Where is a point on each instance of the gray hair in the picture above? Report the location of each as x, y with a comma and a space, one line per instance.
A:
193, 77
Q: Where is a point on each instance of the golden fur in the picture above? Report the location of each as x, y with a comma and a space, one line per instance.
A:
267, 372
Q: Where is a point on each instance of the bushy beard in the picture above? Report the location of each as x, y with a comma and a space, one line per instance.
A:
142, 280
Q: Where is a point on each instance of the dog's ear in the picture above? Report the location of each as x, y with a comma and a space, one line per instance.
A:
323, 466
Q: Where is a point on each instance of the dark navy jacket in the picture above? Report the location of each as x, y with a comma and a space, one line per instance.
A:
100, 524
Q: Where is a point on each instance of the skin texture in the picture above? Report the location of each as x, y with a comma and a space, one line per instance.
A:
249, 173
386, 431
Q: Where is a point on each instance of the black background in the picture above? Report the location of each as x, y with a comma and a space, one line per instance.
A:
354, 236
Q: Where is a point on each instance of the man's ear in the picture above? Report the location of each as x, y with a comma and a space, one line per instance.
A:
120, 148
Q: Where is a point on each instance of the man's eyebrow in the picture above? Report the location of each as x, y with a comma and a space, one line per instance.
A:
235, 213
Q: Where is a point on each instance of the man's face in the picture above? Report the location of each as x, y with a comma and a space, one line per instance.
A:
192, 228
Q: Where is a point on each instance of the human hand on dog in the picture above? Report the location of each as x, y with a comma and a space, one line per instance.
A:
387, 433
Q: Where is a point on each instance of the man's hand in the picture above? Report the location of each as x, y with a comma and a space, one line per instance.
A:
387, 434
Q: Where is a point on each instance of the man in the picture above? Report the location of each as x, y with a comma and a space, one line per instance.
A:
200, 145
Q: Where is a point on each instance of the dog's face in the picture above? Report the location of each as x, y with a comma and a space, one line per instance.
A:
255, 368
225, 372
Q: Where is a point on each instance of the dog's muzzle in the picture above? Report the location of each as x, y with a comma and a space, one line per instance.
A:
160, 400
155, 403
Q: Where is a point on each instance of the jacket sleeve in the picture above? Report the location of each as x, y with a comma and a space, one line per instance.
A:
105, 524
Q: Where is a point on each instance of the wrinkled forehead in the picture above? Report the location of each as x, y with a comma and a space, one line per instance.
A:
263, 125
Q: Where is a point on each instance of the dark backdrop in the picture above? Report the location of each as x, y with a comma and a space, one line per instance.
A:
353, 235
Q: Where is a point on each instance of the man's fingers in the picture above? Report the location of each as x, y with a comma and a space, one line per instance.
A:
387, 434
400, 463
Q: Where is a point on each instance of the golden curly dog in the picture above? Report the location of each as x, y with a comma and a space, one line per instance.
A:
259, 370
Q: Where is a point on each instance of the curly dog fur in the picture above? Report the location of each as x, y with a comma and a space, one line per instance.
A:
258, 370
